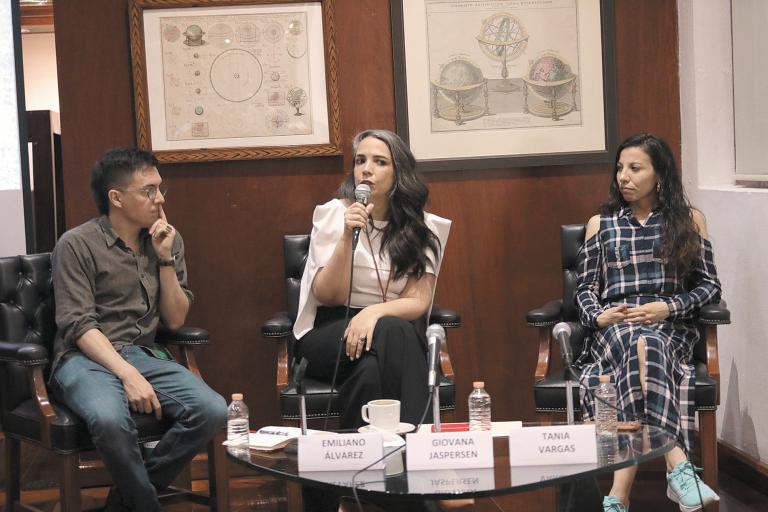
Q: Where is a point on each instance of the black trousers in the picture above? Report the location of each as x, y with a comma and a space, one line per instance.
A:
395, 366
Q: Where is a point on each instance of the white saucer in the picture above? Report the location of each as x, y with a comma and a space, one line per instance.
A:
402, 428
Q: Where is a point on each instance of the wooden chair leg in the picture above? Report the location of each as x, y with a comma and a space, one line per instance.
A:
184, 479
69, 485
218, 476
294, 496
708, 440
12, 473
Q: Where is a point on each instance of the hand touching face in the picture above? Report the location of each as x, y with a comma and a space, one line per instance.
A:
162, 234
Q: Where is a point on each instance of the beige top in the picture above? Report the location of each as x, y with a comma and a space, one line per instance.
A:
327, 228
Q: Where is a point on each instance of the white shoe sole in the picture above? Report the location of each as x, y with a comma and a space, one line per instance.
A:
684, 508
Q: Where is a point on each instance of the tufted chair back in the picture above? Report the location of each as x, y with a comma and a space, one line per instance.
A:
26, 316
571, 240
296, 249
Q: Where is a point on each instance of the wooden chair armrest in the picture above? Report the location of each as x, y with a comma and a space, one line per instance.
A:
545, 316
542, 364
47, 414
281, 380
187, 355
713, 359
445, 361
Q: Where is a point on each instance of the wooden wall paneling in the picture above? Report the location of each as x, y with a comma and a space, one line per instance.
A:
647, 68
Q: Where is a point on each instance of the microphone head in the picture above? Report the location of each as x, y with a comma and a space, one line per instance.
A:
362, 193
561, 328
436, 331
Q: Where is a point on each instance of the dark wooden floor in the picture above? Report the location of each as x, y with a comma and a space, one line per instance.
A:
264, 493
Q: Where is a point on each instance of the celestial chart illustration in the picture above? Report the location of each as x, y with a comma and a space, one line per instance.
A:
231, 76
503, 65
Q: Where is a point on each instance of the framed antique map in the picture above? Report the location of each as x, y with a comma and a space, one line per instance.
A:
500, 83
234, 79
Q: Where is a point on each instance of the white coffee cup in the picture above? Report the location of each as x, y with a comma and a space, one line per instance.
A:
382, 414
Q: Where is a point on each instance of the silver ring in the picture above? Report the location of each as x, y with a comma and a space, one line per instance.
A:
362, 339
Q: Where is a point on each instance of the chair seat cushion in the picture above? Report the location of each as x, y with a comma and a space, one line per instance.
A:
68, 432
549, 393
317, 393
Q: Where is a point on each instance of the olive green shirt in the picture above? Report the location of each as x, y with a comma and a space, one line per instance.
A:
100, 283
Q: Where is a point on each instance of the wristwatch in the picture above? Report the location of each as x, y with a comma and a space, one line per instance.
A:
167, 263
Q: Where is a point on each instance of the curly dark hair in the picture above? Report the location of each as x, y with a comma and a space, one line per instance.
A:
406, 237
115, 169
681, 242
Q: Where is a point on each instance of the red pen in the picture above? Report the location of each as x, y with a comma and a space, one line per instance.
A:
452, 427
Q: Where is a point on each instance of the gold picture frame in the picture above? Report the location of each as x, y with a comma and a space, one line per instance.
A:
235, 79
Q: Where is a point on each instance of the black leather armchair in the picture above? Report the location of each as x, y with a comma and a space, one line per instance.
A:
549, 386
29, 414
280, 327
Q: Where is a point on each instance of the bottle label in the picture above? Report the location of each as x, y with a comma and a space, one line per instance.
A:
541, 446
450, 450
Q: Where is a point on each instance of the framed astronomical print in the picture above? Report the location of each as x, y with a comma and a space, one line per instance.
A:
499, 83
234, 79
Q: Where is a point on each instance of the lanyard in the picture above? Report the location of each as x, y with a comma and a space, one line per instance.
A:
382, 288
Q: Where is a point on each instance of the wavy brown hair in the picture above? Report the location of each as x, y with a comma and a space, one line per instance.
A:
681, 242
406, 237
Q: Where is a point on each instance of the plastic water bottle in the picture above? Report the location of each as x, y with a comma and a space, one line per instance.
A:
237, 422
479, 407
605, 408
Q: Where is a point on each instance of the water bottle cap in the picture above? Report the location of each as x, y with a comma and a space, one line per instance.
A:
605, 378
237, 396
478, 384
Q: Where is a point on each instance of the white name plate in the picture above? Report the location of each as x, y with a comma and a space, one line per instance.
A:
449, 450
452, 481
340, 452
542, 446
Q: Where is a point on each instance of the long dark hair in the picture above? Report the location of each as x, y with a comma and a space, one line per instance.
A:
406, 237
681, 244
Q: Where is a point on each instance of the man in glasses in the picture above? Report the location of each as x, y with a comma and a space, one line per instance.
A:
116, 278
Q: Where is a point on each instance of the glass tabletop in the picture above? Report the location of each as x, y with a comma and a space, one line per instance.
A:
628, 448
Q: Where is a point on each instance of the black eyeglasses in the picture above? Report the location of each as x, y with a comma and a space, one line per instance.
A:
150, 192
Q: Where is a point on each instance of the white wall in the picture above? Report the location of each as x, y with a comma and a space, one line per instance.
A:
40, 81
12, 237
736, 219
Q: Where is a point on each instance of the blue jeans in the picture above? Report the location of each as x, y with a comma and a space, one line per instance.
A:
98, 397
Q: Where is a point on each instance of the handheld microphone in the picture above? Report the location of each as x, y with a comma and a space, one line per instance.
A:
561, 332
435, 337
362, 194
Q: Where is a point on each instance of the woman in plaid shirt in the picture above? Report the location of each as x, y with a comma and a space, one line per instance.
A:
645, 269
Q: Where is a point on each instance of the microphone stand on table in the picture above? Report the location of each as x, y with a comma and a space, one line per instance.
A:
562, 333
569, 396
435, 339
299, 369
436, 407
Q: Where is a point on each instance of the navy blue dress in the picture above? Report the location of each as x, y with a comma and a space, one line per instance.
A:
622, 264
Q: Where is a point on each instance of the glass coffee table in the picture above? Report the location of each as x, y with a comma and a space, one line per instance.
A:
397, 483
